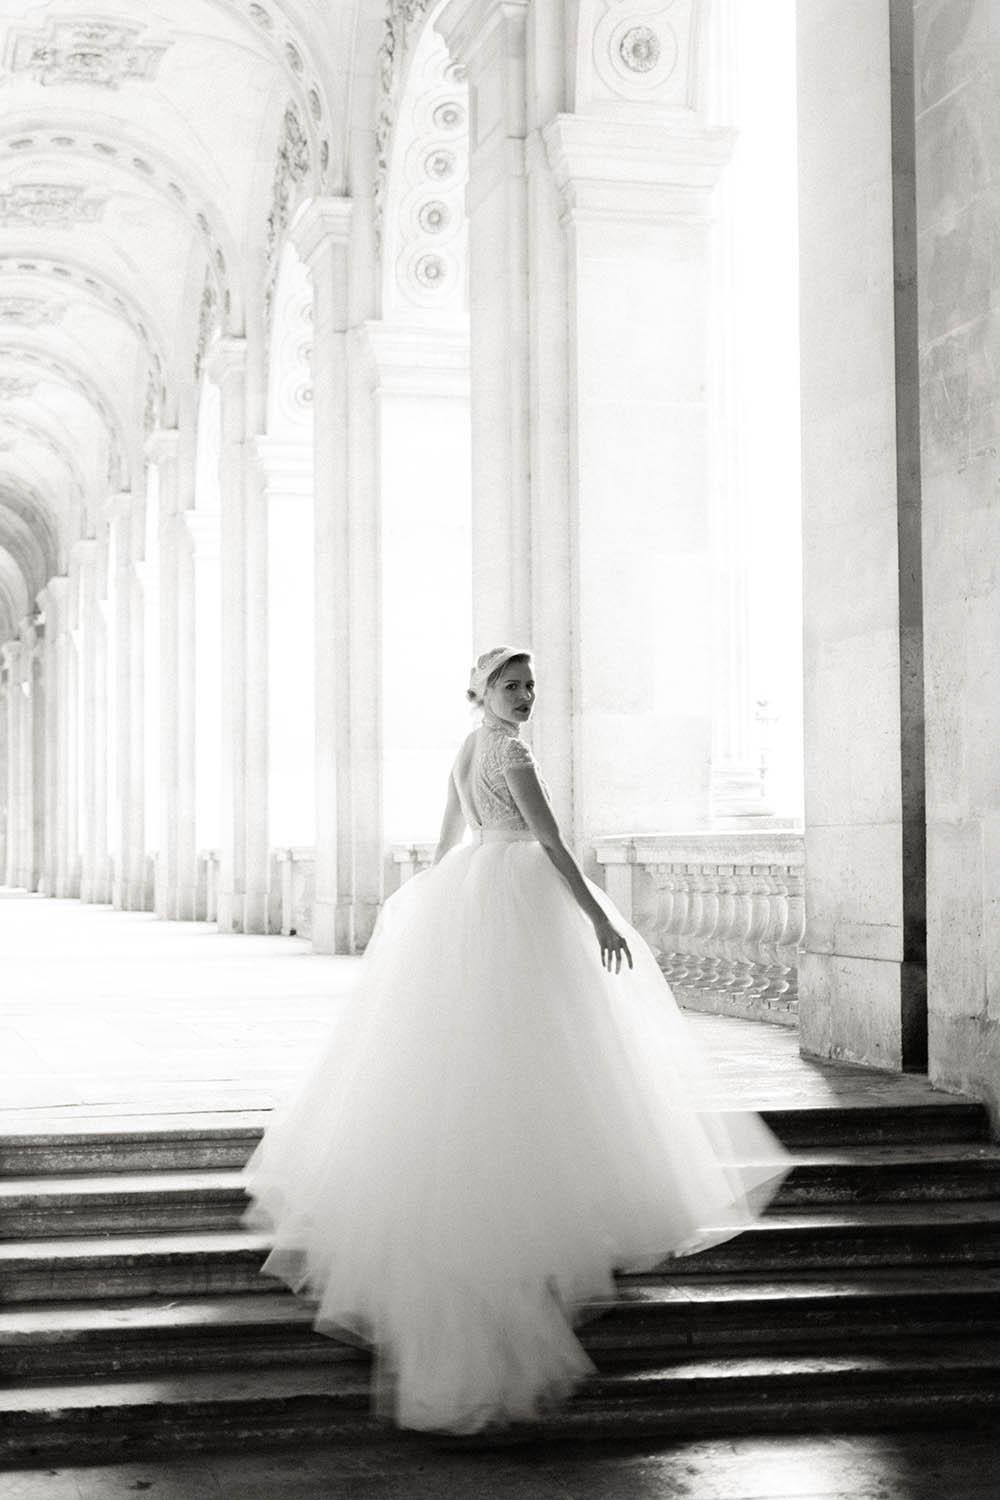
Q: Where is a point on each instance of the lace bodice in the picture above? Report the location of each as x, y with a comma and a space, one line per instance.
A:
482, 788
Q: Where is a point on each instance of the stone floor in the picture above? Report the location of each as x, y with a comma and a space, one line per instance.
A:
935, 1466
109, 1014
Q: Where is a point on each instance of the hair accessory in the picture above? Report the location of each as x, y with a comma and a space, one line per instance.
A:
491, 661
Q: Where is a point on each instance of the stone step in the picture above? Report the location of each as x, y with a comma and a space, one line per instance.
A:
874, 1386
228, 1262
52, 1207
58, 1340
196, 1143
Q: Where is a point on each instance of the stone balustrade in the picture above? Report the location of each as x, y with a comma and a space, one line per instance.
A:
723, 912
293, 884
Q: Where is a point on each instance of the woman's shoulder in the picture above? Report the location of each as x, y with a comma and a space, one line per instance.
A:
514, 753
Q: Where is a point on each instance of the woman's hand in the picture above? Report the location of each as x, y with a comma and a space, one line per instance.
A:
613, 945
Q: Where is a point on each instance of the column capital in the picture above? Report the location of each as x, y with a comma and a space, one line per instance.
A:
415, 360
647, 171
320, 223
466, 25
161, 447
285, 467
226, 360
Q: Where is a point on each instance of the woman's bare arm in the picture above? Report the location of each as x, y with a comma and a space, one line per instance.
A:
452, 823
536, 810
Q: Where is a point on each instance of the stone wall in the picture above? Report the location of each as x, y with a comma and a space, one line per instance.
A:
861, 981
958, 216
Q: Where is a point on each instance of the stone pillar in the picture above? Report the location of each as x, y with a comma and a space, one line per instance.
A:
420, 385
51, 601
349, 851
286, 474
488, 38
10, 657
227, 367
862, 978
39, 711
201, 769
592, 275
93, 731
957, 58
184, 897
256, 822
162, 449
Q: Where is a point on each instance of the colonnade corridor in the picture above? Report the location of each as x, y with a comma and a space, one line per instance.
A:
140, 1058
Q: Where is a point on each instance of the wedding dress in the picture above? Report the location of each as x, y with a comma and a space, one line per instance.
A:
495, 1126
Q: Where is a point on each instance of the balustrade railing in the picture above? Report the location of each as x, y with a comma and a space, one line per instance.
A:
723, 912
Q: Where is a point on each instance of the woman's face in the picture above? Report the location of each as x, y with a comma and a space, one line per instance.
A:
512, 696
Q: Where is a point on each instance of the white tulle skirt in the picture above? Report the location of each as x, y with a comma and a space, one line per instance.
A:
495, 1126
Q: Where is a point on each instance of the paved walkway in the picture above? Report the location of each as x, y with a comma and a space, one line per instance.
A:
116, 1013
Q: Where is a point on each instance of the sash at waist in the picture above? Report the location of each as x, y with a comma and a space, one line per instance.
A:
502, 835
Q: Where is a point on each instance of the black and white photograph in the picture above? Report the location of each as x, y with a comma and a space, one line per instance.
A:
500, 749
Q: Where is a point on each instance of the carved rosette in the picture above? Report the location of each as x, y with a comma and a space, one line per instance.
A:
424, 227
641, 51
88, 50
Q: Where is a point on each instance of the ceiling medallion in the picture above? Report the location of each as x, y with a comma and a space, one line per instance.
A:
93, 51
48, 205
640, 49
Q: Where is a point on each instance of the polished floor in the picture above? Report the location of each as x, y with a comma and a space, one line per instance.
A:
110, 1014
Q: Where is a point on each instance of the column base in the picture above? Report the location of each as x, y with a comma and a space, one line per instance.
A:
255, 904
185, 903
870, 1011
229, 911
330, 930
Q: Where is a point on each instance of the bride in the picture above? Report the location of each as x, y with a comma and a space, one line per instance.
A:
509, 1110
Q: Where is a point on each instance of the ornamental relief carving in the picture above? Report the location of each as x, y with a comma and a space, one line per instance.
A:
424, 226
291, 168
30, 312
639, 51
89, 50
48, 205
15, 387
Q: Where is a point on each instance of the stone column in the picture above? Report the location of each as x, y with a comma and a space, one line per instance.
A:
91, 780
201, 768
862, 978
488, 37
162, 449
286, 475
25, 772
256, 822
184, 897
591, 304
957, 57
39, 711
419, 379
51, 601
228, 368
10, 657
348, 731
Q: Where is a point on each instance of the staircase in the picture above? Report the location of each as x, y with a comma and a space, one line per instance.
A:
133, 1318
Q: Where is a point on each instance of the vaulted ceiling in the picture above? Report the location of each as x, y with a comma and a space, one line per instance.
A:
148, 156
